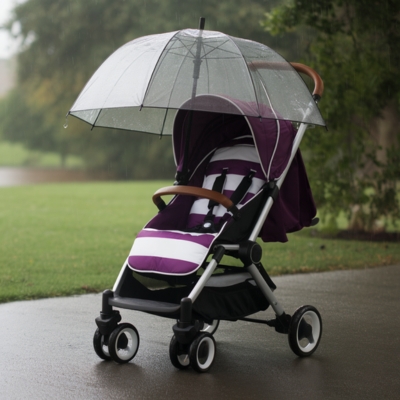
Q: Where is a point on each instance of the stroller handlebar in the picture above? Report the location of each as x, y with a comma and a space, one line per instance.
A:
301, 68
318, 82
197, 192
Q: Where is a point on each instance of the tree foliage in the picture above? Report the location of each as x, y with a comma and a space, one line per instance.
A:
65, 41
355, 47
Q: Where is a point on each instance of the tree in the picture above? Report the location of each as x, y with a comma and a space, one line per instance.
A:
355, 166
64, 42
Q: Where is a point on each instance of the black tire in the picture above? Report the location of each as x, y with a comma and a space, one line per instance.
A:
202, 352
305, 331
123, 343
211, 328
178, 354
100, 345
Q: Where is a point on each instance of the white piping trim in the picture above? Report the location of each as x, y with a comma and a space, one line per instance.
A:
278, 130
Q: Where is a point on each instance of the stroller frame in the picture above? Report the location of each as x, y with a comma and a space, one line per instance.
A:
193, 343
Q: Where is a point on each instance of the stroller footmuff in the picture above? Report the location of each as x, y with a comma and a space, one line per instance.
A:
197, 261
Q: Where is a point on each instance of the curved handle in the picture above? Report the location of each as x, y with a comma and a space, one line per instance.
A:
301, 68
318, 82
194, 191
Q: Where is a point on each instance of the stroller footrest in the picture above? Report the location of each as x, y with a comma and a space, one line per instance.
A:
150, 306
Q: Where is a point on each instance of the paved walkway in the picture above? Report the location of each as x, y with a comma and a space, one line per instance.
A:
46, 350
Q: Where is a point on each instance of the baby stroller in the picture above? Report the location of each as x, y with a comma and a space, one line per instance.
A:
197, 261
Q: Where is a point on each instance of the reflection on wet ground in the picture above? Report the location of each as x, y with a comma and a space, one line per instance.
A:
14, 176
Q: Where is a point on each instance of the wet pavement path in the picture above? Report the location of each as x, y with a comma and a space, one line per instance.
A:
46, 350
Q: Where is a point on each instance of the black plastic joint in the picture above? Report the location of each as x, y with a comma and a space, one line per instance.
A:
316, 97
161, 205
185, 330
235, 212
186, 312
108, 322
186, 335
250, 253
273, 190
106, 308
219, 252
283, 323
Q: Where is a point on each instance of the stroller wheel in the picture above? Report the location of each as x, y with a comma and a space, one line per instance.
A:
123, 343
212, 328
100, 344
178, 354
202, 352
305, 331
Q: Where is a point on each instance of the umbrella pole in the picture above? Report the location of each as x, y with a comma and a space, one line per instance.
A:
183, 176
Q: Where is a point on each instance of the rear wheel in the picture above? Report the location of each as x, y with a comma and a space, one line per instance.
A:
123, 343
305, 331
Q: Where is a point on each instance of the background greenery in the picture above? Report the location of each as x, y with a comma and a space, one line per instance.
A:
17, 155
353, 44
64, 239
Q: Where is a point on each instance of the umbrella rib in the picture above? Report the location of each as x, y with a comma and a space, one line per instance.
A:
208, 71
206, 53
209, 58
155, 67
278, 129
180, 67
213, 48
272, 108
248, 71
187, 47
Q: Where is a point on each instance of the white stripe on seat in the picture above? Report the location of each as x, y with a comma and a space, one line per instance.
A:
169, 248
239, 152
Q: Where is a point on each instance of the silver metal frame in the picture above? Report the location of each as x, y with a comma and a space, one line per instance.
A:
253, 270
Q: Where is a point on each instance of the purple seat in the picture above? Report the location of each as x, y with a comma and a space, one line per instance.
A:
174, 252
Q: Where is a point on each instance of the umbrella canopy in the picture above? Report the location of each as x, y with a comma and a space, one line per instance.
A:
141, 86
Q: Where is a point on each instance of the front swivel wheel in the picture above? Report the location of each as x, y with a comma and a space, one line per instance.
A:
123, 343
179, 354
100, 345
305, 331
202, 352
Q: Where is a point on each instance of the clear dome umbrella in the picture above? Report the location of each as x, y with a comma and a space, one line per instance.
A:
141, 85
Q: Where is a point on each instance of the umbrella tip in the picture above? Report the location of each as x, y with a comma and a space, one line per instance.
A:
202, 22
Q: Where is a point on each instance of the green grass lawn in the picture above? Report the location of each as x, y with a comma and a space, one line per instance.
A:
64, 239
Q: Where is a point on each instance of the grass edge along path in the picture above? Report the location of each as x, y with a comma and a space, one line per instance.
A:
67, 239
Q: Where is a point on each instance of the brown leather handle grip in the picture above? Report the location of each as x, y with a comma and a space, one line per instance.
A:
301, 68
318, 82
194, 191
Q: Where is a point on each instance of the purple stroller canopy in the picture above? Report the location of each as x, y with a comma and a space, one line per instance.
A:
293, 209
209, 130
